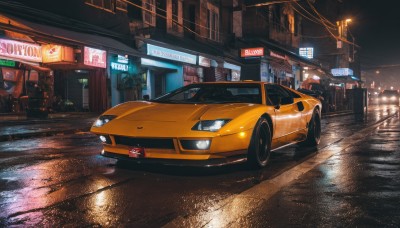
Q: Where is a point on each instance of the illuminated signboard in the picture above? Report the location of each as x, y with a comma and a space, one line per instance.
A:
276, 55
95, 57
307, 52
119, 66
122, 59
342, 72
7, 63
203, 61
57, 53
252, 52
20, 50
171, 54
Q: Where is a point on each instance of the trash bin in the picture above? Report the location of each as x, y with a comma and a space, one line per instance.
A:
37, 107
37, 99
360, 100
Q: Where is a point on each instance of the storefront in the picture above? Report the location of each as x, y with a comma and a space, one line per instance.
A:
167, 66
79, 64
282, 71
126, 77
78, 85
21, 74
166, 69
265, 65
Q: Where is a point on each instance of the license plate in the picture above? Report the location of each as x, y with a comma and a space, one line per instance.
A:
136, 152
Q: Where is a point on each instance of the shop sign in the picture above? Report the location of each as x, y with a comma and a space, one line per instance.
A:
122, 59
94, 57
20, 50
341, 71
7, 63
56, 53
276, 55
171, 54
119, 66
231, 66
203, 61
252, 52
307, 52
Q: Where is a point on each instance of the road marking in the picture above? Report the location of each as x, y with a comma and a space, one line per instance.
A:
228, 211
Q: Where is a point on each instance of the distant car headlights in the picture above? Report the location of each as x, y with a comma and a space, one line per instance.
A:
210, 125
392, 98
103, 120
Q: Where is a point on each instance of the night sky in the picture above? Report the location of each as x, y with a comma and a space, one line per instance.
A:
376, 27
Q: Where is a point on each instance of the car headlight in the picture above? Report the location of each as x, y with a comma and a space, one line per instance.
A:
103, 120
210, 125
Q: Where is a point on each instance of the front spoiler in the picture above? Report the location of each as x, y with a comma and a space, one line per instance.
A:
216, 162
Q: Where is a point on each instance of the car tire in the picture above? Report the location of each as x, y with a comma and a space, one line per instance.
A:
314, 130
260, 145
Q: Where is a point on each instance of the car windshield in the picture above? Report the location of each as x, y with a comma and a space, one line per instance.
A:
214, 94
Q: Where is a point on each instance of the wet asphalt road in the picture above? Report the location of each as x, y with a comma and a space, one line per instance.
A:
62, 181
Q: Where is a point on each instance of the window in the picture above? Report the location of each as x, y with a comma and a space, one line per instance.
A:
149, 12
275, 93
175, 9
213, 22
214, 94
107, 5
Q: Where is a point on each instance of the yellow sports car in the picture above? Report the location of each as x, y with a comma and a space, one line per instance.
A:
211, 124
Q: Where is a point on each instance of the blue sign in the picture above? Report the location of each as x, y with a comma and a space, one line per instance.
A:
171, 54
342, 72
119, 66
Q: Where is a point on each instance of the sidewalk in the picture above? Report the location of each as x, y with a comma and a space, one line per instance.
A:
18, 126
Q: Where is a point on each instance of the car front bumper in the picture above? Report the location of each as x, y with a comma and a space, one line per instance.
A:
212, 162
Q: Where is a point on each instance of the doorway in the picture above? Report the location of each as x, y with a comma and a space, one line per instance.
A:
159, 83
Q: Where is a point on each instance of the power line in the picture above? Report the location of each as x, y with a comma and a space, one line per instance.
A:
319, 20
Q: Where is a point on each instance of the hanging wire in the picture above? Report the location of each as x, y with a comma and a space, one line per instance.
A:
319, 18
327, 28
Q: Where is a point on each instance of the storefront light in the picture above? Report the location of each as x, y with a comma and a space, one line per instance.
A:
315, 77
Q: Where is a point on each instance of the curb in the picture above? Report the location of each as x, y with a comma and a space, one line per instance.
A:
5, 138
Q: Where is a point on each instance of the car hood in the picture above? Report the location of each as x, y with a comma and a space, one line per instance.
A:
160, 119
185, 112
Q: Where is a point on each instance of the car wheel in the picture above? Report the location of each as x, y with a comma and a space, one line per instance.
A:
314, 130
260, 145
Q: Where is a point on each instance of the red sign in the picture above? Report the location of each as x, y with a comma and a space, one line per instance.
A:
252, 52
276, 55
95, 57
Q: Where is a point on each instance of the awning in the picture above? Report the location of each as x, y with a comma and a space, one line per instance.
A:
55, 34
213, 52
280, 66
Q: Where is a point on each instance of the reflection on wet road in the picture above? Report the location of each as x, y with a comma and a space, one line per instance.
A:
62, 181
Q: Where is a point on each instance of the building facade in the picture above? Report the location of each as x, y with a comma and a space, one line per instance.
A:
95, 54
